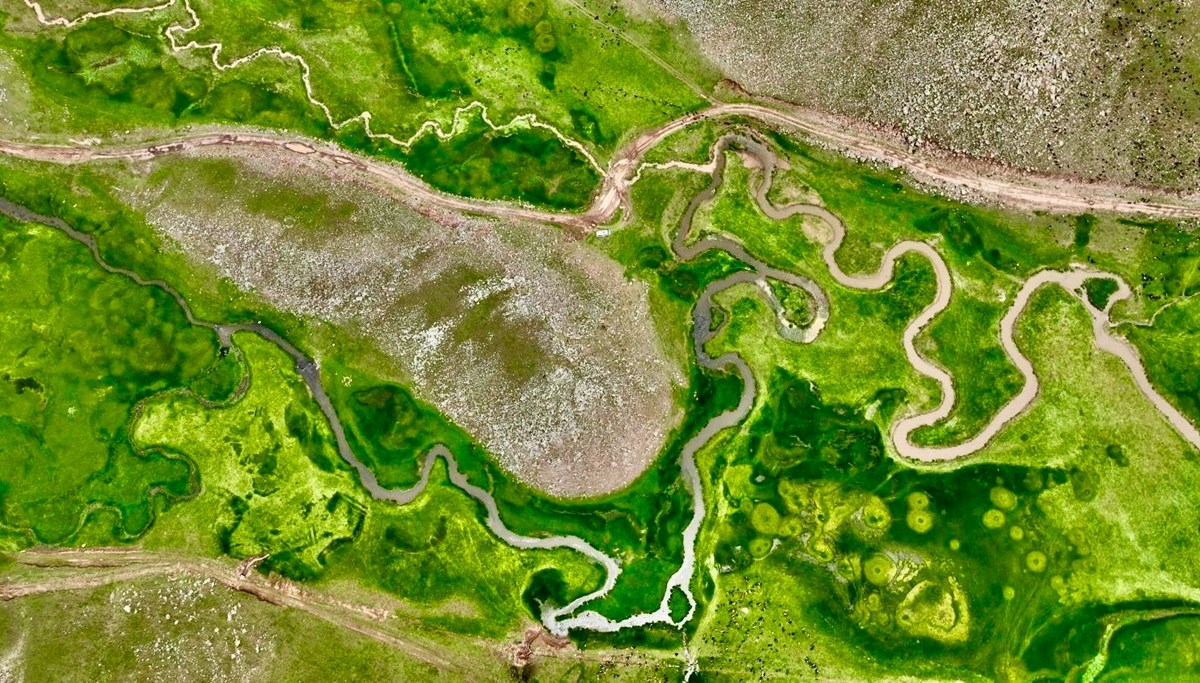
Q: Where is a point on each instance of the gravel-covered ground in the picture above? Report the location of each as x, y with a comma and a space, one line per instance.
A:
533, 342
1104, 90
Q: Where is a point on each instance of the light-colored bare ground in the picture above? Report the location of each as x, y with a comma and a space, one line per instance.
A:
136, 583
82, 569
1101, 89
533, 342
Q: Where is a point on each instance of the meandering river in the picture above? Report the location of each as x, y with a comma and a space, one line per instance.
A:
561, 620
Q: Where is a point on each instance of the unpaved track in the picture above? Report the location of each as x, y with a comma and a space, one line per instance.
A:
329, 156
999, 184
613, 194
1002, 185
80, 569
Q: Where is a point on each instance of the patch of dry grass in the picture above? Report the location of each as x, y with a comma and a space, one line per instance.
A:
534, 343
1101, 89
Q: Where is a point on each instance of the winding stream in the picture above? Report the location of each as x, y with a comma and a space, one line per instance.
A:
1070, 280
560, 620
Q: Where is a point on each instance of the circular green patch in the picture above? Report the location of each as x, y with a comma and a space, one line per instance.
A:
1016, 533
955, 544
875, 514
918, 500
1009, 593
544, 42
993, 519
920, 521
544, 26
879, 569
789, 526
1003, 498
760, 547
1083, 485
526, 12
1035, 561
765, 519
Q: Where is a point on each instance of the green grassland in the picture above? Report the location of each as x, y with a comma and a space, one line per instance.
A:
1155, 649
405, 63
259, 472
980, 567
82, 350
823, 556
1060, 525
273, 483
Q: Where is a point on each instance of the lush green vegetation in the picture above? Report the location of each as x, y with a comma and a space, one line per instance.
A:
1154, 649
273, 483
985, 568
82, 350
405, 63
822, 555
1171, 355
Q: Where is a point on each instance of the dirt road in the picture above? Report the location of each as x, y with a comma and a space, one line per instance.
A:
78, 569
1017, 190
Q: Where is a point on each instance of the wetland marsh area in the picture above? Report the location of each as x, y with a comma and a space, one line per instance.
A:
509, 340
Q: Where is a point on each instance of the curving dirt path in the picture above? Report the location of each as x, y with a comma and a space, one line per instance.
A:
623, 171
82, 569
1001, 185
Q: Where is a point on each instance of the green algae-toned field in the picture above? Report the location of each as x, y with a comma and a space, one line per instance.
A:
490, 340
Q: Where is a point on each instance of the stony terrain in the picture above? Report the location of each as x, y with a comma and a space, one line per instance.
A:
533, 342
1104, 90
